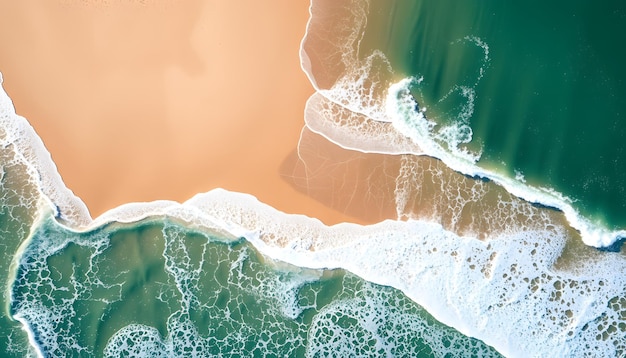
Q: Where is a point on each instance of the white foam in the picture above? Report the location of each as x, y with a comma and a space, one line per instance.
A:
137, 340
461, 281
506, 292
503, 292
479, 288
31, 152
29, 332
400, 108
350, 91
355, 131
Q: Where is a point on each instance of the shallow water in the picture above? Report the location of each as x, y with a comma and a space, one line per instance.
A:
160, 289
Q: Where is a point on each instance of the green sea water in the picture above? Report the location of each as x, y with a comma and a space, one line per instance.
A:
158, 288
541, 84
522, 76
18, 203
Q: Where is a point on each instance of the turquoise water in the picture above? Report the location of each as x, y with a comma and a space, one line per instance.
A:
548, 103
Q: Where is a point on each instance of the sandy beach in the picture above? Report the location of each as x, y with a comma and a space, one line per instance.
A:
147, 100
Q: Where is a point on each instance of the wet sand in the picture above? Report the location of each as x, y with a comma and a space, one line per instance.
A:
146, 100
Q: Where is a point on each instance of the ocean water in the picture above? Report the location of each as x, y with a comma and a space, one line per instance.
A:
484, 139
158, 288
546, 101
531, 90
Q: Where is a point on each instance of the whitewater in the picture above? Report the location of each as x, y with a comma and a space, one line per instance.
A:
512, 287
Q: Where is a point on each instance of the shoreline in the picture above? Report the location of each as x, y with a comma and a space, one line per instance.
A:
163, 101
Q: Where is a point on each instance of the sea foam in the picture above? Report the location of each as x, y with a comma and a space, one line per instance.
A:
30, 151
507, 290
55, 284
361, 97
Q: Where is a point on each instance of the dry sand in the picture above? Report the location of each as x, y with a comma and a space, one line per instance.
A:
146, 100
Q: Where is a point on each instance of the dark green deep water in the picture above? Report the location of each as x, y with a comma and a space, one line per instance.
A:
551, 103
